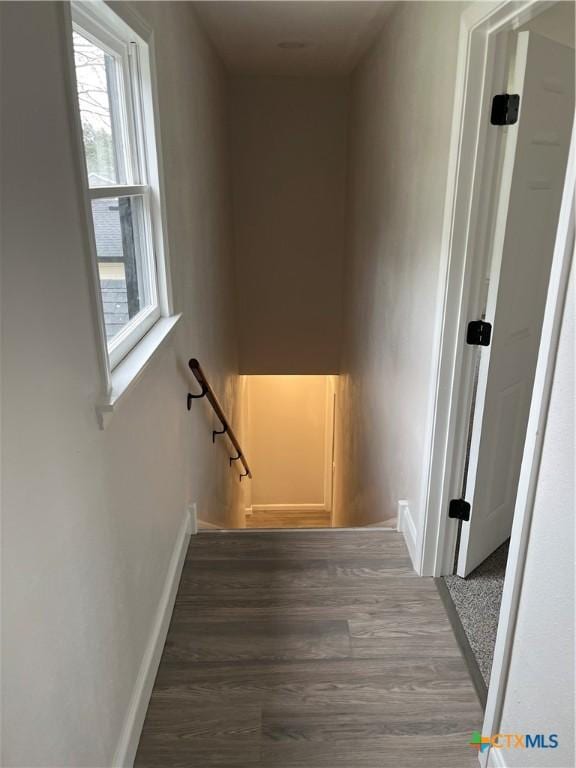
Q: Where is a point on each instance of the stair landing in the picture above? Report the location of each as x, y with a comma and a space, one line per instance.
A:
290, 518
308, 650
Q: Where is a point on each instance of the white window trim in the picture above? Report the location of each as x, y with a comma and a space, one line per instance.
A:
131, 368
118, 376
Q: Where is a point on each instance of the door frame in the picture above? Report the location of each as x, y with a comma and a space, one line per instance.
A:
329, 435
473, 170
473, 162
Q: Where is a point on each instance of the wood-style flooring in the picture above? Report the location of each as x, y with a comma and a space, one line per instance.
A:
308, 650
290, 518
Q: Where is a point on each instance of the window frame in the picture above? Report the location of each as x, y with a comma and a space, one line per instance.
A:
97, 22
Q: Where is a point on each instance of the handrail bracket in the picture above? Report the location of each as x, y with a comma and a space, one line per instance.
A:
196, 397
218, 432
208, 393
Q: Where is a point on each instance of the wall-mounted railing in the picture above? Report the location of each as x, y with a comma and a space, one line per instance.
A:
209, 394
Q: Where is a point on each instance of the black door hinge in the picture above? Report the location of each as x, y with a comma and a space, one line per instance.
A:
505, 108
459, 509
479, 333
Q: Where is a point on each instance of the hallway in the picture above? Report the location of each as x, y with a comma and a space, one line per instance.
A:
308, 649
254, 261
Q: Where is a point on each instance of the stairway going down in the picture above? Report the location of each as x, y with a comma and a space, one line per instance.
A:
298, 649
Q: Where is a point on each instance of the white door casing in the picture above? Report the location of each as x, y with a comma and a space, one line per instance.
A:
532, 178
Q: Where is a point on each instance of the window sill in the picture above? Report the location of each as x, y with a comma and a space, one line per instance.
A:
129, 371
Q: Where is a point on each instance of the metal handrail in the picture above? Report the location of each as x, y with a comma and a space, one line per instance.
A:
209, 394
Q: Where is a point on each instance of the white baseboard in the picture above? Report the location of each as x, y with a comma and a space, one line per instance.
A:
193, 512
281, 531
391, 524
408, 529
288, 507
203, 525
134, 720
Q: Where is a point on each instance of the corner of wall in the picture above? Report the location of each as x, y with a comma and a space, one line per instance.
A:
407, 528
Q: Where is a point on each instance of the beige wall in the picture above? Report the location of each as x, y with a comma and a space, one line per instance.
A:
194, 112
90, 517
402, 97
557, 23
288, 139
287, 439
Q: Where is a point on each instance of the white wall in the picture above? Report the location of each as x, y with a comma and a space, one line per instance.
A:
402, 96
287, 440
542, 665
90, 518
288, 139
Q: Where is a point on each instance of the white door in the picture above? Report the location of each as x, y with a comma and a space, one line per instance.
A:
533, 171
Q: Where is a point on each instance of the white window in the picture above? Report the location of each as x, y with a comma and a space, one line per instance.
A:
116, 114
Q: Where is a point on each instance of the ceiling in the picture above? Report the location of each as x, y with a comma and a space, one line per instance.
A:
322, 38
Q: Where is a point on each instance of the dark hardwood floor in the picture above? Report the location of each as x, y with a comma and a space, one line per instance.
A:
308, 650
